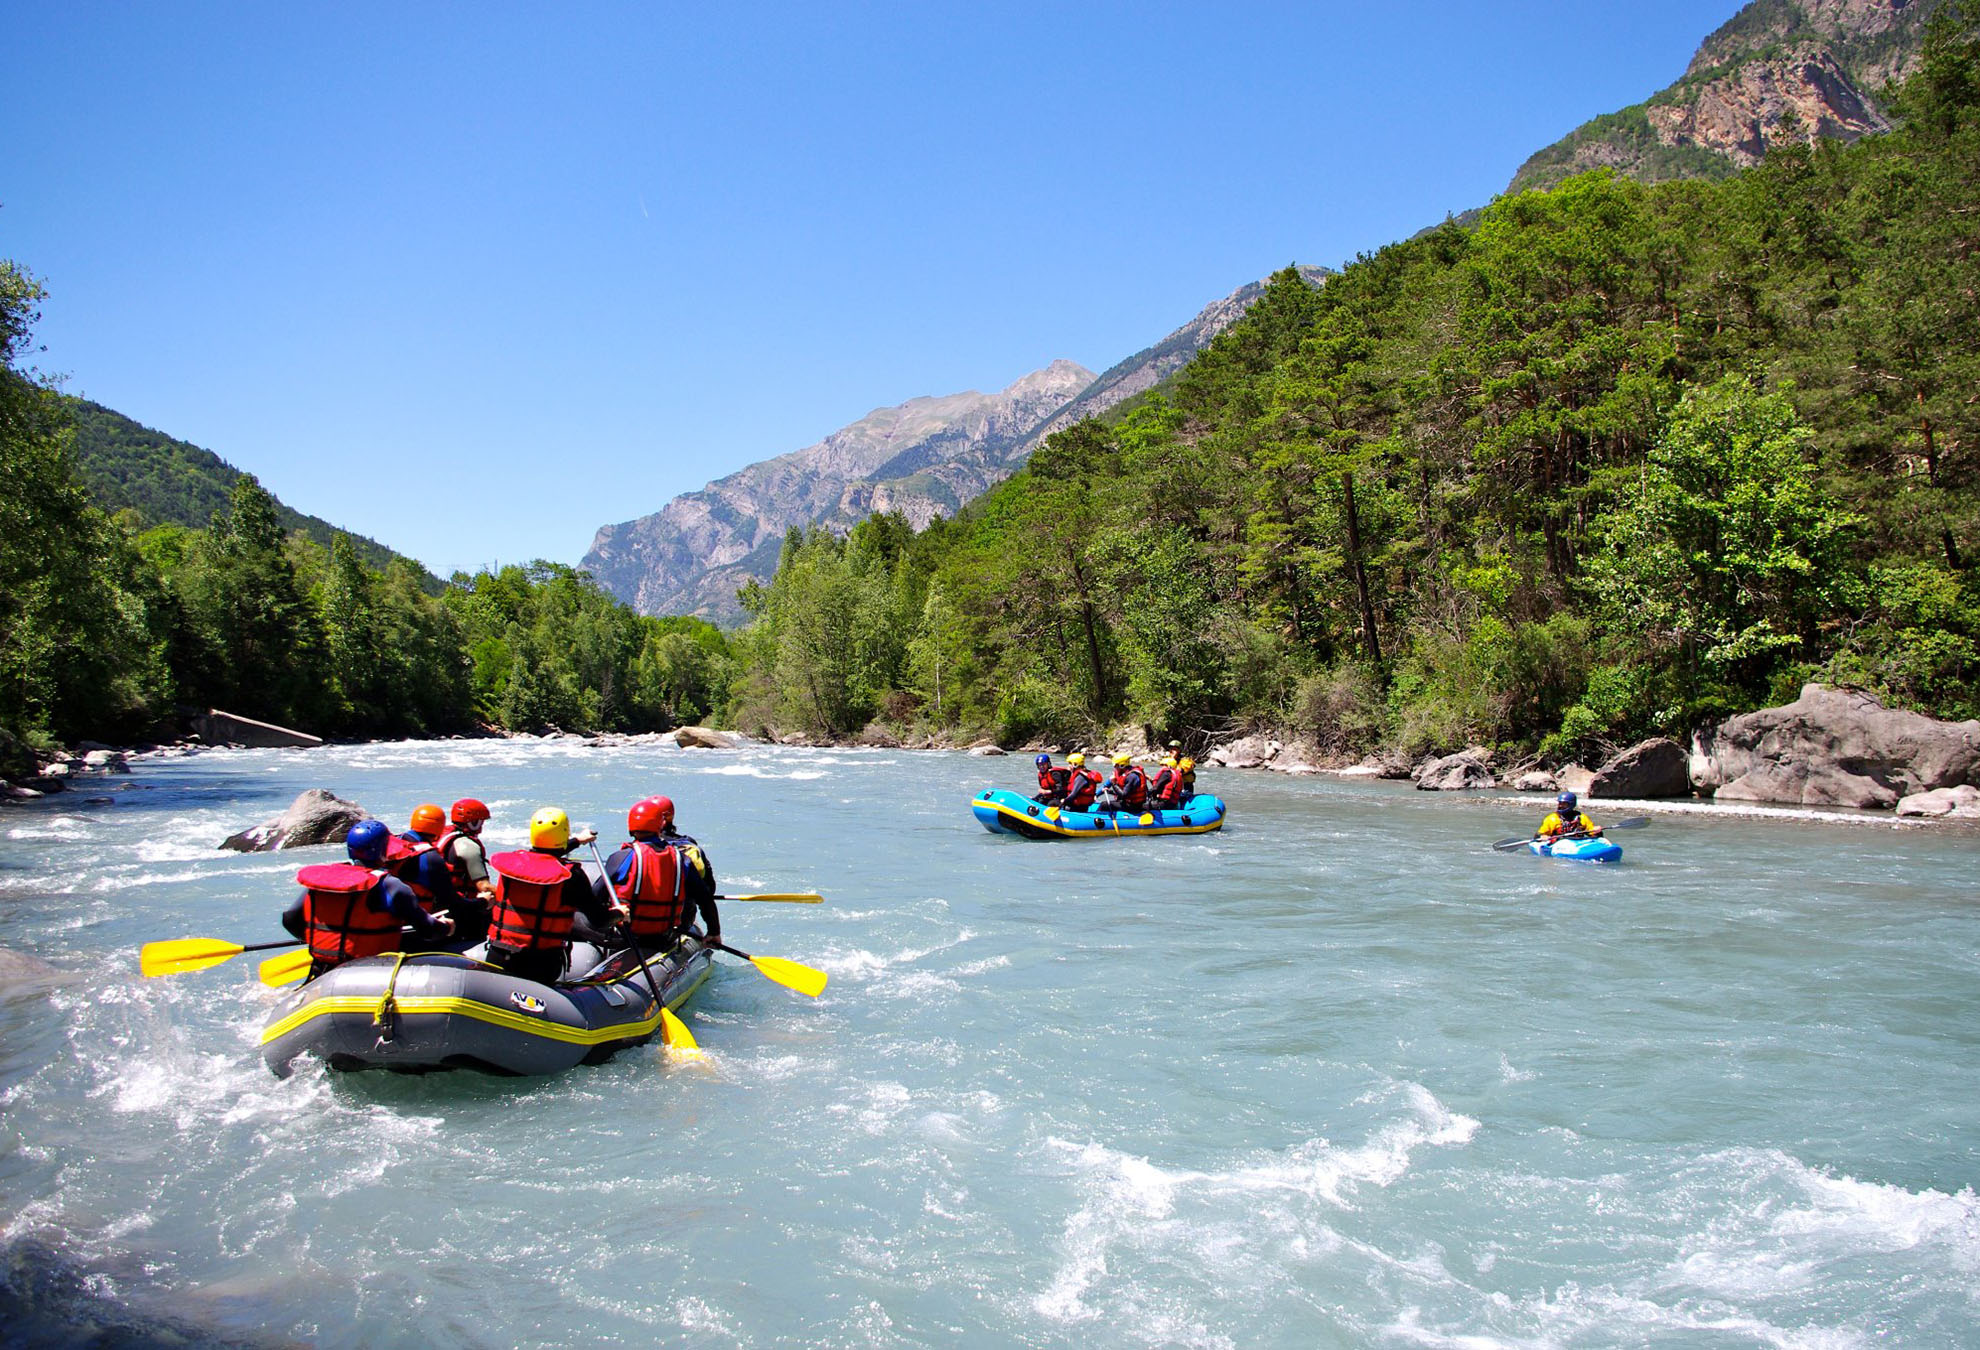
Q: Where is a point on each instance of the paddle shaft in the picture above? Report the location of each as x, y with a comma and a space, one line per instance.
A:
652, 985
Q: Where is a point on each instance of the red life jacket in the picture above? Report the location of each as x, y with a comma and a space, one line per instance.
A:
652, 891
1131, 787
1080, 789
1164, 788
529, 907
402, 857
444, 846
339, 923
1052, 781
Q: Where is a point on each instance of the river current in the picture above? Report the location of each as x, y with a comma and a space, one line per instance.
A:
1336, 1076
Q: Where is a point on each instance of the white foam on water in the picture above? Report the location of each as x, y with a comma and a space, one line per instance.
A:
1509, 1074
758, 771
699, 1318
1130, 1205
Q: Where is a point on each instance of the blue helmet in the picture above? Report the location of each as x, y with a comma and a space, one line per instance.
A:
1566, 801
1042, 761
367, 841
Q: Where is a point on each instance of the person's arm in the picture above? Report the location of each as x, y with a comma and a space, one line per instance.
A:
474, 861
292, 917
403, 905
711, 918
587, 895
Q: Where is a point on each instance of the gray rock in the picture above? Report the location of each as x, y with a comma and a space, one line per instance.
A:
1833, 747
1657, 767
59, 769
1535, 780
24, 974
314, 817
1456, 773
706, 738
1250, 752
1573, 778
1959, 803
106, 761
17, 790
986, 750
215, 727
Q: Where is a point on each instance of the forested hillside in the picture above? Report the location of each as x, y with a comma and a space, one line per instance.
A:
128, 466
1617, 460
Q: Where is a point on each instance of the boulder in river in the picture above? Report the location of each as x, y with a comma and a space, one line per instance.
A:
1658, 767
1535, 780
314, 817
1833, 747
1455, 773
706, 738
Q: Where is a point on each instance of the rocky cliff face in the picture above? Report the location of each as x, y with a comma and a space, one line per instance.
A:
924, 458
1779, 68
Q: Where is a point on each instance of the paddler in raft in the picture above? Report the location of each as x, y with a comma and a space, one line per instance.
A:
1082, 784
662, 878
459, 846
1165, 787
355, 909
1051, 782
1128, 788
537, 895
1566, 819
415, 858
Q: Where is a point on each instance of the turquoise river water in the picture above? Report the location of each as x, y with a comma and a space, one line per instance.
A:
1337, 1076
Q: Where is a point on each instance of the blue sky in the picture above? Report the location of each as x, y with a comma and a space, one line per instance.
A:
477, 279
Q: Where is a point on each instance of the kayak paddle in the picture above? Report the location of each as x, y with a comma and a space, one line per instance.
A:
673, 1032
179, 955
789, 898
790, 974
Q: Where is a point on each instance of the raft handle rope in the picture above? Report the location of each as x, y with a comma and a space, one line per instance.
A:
386, 1019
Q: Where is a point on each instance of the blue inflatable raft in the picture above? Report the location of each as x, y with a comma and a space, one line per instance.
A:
1582, 849
1004, 812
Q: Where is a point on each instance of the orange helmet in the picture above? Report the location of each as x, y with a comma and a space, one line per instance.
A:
468, 811
428, 819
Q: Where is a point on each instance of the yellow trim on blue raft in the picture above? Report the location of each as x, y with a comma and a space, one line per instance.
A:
444, 1006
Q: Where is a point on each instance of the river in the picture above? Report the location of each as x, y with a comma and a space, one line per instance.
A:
1336, 1076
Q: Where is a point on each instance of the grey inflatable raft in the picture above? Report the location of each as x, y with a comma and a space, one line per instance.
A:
436, 1010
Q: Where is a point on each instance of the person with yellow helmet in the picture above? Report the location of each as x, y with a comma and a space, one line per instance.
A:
1165, 786
537, 896
1186, 780
1081, 784
1128, 786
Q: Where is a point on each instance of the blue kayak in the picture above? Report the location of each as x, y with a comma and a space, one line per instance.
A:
1584, 849
1004, 812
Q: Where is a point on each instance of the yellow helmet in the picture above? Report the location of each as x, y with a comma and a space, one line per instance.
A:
1076, 759
1187, 764
1169, 762
1121, 761
549, 828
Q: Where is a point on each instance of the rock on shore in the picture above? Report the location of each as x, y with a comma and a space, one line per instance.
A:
1466, 769
1833, 747
1654, 768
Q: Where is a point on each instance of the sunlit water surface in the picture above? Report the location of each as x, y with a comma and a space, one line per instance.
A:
1336, 1076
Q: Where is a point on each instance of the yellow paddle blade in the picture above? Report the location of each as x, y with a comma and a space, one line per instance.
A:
287, 968
789, 898
183, 954
674, 1033
809, 982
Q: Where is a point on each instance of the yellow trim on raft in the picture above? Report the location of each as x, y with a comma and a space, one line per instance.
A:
448, 1005
1053, 827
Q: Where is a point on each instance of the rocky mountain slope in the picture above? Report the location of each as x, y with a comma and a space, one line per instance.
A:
1800, 68
926, 457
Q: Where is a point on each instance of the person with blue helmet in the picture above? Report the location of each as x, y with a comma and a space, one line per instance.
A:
1568, 820
1051, 781
346, 911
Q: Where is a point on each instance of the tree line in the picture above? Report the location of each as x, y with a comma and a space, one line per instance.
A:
1615, 460
110, 625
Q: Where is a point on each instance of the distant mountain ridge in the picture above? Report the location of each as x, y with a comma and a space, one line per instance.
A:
1803, 68
926, 457
127, 465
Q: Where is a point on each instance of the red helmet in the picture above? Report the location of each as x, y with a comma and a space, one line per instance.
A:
426, 819
468, 811
650, 816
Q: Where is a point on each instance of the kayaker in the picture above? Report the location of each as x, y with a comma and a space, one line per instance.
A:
1165, 788
537, 894
652, 878
1567, 819
1051, 781
1081, 783
1129, 785
460, 848
354, 909
1186, 774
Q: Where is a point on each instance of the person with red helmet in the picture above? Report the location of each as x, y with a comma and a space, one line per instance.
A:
662, 876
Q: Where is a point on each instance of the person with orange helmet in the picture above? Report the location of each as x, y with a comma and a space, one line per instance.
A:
662, 877
415, 860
